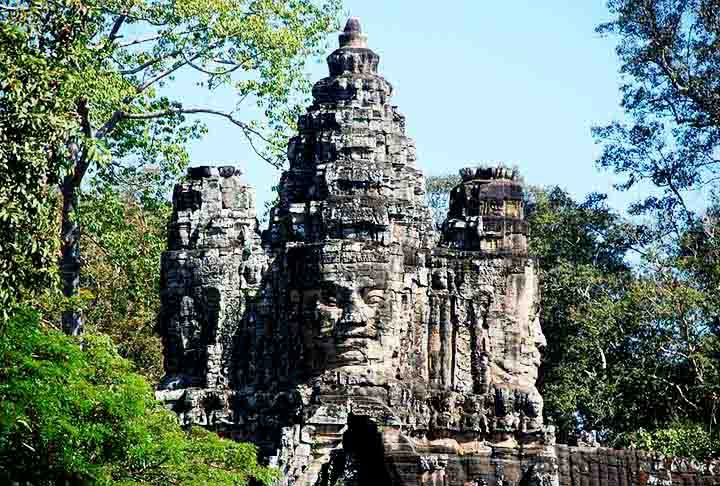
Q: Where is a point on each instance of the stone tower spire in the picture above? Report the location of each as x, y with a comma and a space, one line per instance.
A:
351, 154
349, 239
352, 35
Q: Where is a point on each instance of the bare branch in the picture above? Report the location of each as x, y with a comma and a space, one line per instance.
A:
134, 17
171, 70
149, 63
153, 37
141, 40
189, 111
211, 73
249, 132
116, 26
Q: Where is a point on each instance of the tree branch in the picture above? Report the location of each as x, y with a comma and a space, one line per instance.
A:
684, 89
87, 234
248, 131
134, 17
166, 73
141, 40
109, 125
149, 63
211, 73
116, 26
82, 164
149, 38
189, 111
674, 189
84, 112
13, 9
696, 122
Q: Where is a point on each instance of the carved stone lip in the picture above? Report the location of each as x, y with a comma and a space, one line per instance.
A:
360, 335
353, 344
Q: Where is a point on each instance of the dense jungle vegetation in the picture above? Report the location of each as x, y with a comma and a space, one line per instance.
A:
90, 146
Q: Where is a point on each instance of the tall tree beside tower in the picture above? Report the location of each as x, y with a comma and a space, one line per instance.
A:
87, 80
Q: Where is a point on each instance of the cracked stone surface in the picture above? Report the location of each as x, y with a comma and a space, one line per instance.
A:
349, 341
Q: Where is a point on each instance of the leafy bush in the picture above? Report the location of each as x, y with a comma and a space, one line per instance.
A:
72, 410
124, 237
681, 439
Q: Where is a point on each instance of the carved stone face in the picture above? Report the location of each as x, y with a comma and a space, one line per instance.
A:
538, 340
350, 312
183, 336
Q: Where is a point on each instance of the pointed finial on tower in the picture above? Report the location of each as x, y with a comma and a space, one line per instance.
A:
352, 36
353, 25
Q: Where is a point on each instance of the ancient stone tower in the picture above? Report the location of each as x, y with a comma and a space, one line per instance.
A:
351, 343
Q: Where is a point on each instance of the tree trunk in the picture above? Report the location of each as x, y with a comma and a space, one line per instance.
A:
70, 262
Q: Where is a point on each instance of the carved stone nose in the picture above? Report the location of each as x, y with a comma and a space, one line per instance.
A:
355, 314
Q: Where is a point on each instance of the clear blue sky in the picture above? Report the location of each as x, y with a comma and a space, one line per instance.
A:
517, 81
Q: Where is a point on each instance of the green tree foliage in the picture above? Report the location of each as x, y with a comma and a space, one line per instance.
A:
670, 63
631, 353
120, 285
77, 413
34, 126
437, 195
115, 60
679, 440
581, 254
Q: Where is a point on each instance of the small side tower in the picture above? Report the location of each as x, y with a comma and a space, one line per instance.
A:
487, 213
214, 259
484, 333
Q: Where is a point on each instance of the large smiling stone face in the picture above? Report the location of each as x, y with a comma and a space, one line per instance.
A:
351, 310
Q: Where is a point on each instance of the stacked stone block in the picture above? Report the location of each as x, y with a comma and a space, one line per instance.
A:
487, 213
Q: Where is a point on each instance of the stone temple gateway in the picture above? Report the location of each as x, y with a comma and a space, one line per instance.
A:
350, 341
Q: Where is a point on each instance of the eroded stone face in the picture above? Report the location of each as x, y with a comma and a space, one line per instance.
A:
485, 332
345, 309
213, 260
348, 308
